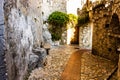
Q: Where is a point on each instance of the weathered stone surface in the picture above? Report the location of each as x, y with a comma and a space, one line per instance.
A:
46, 34
3, 70
22, 33
24, 30
2, 29
106, 31
56, 62
95, 67
102, 44
41, 53
85, 36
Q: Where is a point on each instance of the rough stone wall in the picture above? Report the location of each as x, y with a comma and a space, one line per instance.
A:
103, 44
59, 5
2, 44
23, 32
116, 9
85, 36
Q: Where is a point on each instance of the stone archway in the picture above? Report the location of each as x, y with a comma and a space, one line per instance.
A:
114, 29
114, 24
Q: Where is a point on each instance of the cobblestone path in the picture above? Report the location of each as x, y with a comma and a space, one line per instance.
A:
73, 68
82, 65
95, 67
69, 63
56, 62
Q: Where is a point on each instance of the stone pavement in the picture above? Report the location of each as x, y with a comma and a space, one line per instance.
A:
91, 67
56, 62
96, 68
73, 67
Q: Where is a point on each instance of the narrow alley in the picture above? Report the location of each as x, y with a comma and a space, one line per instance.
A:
70, 63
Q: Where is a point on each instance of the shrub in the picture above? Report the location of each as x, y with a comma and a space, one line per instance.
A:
73, 19
58, 19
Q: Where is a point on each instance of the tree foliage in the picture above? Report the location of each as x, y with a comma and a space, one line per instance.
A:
58, 19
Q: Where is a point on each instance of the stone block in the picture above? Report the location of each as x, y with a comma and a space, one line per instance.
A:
42, 54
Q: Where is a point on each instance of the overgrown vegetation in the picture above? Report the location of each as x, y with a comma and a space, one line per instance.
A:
58, 21
83, 18
73, 19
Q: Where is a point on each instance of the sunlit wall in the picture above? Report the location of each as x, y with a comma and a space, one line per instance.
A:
72, 6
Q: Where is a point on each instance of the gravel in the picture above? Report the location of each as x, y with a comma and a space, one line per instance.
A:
56, 62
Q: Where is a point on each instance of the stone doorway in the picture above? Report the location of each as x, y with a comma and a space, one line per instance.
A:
73, 35
114, 30
75, 39
114, 24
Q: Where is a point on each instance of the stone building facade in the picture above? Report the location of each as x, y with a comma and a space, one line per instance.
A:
103, 44
105, 17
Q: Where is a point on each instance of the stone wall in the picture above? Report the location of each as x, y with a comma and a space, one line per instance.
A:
103, 44
23, 32
85, 36
116, 9
2, 44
